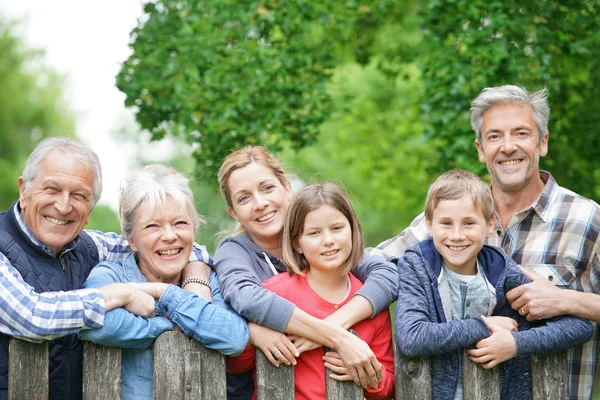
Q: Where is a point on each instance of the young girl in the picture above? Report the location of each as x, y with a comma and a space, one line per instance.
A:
322, 241
258, 195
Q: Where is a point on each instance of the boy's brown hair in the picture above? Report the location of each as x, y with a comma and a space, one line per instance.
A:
455, 184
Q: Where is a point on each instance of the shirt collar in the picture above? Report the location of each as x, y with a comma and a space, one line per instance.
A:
68, 247
543, 204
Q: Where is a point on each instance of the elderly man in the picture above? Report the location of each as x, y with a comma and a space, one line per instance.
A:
45, 255
544, 227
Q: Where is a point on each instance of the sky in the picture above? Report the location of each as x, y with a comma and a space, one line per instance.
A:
86, 42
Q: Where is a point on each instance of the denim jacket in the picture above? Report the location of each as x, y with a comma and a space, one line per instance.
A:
214, 324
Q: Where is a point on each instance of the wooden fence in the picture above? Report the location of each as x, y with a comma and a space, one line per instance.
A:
183, 369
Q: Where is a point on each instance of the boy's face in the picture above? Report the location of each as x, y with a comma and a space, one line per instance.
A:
458, 229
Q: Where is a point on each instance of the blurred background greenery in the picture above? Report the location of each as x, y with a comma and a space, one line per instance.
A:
374, 94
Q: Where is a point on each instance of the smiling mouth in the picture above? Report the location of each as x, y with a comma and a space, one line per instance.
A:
457, 248
329, 253
510, 162
266, 217
56, 221
170, 252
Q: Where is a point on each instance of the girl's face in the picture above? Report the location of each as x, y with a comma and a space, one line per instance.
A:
260, 202
326, 240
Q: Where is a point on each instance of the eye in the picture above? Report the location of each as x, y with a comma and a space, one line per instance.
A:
338, 227
179, 223
446, 223
243, 199
52, 189
80, 196
268, 187
151, 225
311, 233
522, 133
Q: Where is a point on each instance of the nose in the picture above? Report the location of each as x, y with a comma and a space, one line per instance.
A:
63, 203
456, 233
260, 201
169, 234
508, 145
327, 238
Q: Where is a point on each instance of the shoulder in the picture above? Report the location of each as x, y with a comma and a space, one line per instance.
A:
282, 282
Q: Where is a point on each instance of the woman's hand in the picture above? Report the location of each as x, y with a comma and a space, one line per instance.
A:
497, 348
503, 322
360, 361
277, 346
303, 344
339, 370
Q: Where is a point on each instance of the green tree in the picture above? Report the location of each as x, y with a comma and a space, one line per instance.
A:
222, 74
473, 44
32, 107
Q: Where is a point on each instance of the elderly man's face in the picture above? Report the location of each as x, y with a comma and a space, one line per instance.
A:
510, 145
60, 200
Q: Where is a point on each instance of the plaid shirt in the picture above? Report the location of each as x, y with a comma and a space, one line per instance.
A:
32, 316
558, 237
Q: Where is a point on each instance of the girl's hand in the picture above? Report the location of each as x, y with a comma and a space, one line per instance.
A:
361, 362
339, 370
497, 348
503, 322
303, 344
276, 345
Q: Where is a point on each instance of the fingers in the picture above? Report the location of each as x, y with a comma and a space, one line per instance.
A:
514, 295
531, 275
270, 357
340, 377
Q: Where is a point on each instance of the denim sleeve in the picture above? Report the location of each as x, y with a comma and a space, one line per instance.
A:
214, 325
380, 282
418, 332
122, 328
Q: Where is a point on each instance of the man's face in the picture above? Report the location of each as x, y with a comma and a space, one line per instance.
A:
510, 145
59, 201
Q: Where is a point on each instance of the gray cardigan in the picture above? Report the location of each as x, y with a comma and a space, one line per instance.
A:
242, 266
422, 330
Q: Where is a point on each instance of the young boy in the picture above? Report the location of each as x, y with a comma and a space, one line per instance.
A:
452, 296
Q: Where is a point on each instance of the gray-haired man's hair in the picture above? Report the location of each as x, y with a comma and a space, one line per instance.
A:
511, 94
68, 147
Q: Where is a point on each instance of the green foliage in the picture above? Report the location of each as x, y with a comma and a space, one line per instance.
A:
32, 107
473, 44
222, 74
104, 218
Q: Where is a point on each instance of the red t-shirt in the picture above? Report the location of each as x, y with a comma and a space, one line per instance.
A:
309, 372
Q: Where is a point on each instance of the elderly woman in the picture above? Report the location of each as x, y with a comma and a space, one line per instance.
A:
159, 219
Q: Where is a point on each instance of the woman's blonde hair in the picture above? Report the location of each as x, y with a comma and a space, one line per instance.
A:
309, 199
242, 158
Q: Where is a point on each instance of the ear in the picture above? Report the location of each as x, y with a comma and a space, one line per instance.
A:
297, 247
288, 189
22, 196
132, 244
428, 223
544, 145
480, 151
232, 213
490, 227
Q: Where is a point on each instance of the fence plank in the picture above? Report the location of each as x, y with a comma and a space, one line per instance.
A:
413, 376
28, 370
479, 383
101, 372
549, 378
273, 383
174, 362
337, 390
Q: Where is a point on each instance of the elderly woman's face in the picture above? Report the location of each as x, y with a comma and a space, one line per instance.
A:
163, 238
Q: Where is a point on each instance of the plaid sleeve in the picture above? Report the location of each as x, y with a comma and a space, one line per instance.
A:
29, 315
396, 246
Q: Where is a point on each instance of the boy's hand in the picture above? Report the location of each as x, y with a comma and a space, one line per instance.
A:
497, 348
276, 346
503, 322
303, 344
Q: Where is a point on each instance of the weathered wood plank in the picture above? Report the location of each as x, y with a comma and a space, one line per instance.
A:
549, 378
273, 383
479, 383
212, 372
101, 372
413, 376
27, 370
177, 375
337, 390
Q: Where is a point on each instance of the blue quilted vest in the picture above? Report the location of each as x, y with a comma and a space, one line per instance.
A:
46, 273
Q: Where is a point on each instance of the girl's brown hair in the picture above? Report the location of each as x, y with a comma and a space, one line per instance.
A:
309, 199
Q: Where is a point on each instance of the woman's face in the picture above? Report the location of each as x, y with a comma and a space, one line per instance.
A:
260, 202
163, 238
